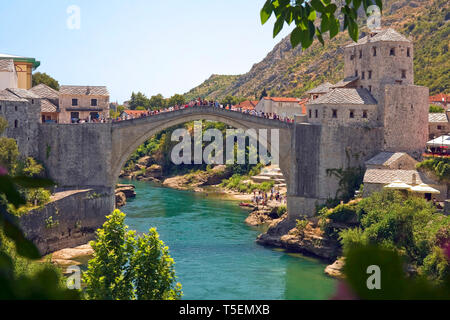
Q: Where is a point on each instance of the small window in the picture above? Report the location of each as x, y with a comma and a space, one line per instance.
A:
360, 54
334, 113
363, 75
439, 127
16, 123
370, 74
16, 108
0, 108
365, 114
374, 49
310, 113
370, 88
74, 102
408, 52
317, 113
403, 74
93, 102
392, 52
352, 57
352, 114
32, 101
356, 73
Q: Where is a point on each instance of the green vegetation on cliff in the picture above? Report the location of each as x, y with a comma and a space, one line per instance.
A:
211, 88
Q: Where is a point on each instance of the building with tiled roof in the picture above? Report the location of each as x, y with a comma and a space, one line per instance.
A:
248, 105
283, 107
22, 70
132, 114
49, 103
377, 91
83, 103
438, 124
441, 99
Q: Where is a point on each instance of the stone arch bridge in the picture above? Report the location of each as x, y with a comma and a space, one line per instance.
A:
91, 155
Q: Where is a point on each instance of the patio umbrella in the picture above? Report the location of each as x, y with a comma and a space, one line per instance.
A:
424, 188
398, 185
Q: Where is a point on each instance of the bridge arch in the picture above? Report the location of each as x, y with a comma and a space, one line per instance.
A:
128, 135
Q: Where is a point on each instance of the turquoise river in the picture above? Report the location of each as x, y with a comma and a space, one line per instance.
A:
215, 251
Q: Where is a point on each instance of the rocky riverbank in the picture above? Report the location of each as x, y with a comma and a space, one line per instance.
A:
124, 192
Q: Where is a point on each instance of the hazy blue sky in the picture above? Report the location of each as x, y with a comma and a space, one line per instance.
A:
142, 45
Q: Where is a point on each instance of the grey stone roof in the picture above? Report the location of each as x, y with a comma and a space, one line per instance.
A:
6, 95
84, 90
345, 82
47, 106
22, 93
323, 88
437, 117
386, 176
346, 96
45, 91
6, 65
387, 159
381, 35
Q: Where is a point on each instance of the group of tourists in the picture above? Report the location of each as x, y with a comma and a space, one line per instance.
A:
205, 103
261, 197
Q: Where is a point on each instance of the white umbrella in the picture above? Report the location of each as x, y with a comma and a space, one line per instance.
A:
398, 185
424, 188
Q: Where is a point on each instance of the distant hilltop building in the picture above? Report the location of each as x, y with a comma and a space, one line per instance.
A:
285, 107
378, 91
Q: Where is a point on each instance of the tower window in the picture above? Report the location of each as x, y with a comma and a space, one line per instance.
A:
15, 108
356, 73
370, 74
403, 74
317, 113
370, 88
374, 49
93, 102
408, 52
310, 113
16, 123
32, 101
392, 52
360, 54
365, 114
352, 57
352, 114
363, 75
334, 113
74, 102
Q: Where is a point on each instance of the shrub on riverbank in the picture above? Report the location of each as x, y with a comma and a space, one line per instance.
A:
240, 183
130, 267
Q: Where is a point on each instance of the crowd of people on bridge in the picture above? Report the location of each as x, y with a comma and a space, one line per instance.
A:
203, 103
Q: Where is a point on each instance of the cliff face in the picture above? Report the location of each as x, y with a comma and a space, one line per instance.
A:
293, 72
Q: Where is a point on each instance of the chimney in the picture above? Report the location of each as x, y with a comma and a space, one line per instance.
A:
414, 179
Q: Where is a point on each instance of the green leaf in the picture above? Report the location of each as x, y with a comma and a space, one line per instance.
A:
325, 23
379, 3
320, 37
278, 26
318, 6
331, 8
353, 30
296, 37
24, 247
266, 11
334, 27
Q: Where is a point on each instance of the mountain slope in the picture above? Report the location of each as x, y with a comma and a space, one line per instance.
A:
292, 72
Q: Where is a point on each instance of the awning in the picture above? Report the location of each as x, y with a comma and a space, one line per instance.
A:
443, 141
424, 188
398, 185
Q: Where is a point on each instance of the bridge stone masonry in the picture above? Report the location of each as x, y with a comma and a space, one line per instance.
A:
91, 155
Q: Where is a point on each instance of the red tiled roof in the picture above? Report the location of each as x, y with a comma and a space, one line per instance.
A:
281, 99
440, 98
247, 105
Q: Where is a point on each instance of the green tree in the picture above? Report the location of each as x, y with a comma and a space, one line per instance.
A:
176, 99
314, 18
9, 154
436, 109
44, 78
157, 102
128, 267
138, 100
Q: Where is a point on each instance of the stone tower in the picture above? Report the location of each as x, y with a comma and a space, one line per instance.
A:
382, 63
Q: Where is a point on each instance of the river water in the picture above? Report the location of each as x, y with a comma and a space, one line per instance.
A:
215, 253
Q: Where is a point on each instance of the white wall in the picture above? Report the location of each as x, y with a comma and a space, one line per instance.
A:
8, 80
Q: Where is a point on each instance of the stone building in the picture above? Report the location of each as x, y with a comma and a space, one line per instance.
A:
378, 90
438, 124
49, 103
21, 108
283, 107
85, 103
20, 74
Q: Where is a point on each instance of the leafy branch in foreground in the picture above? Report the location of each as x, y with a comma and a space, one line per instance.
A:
315, 18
